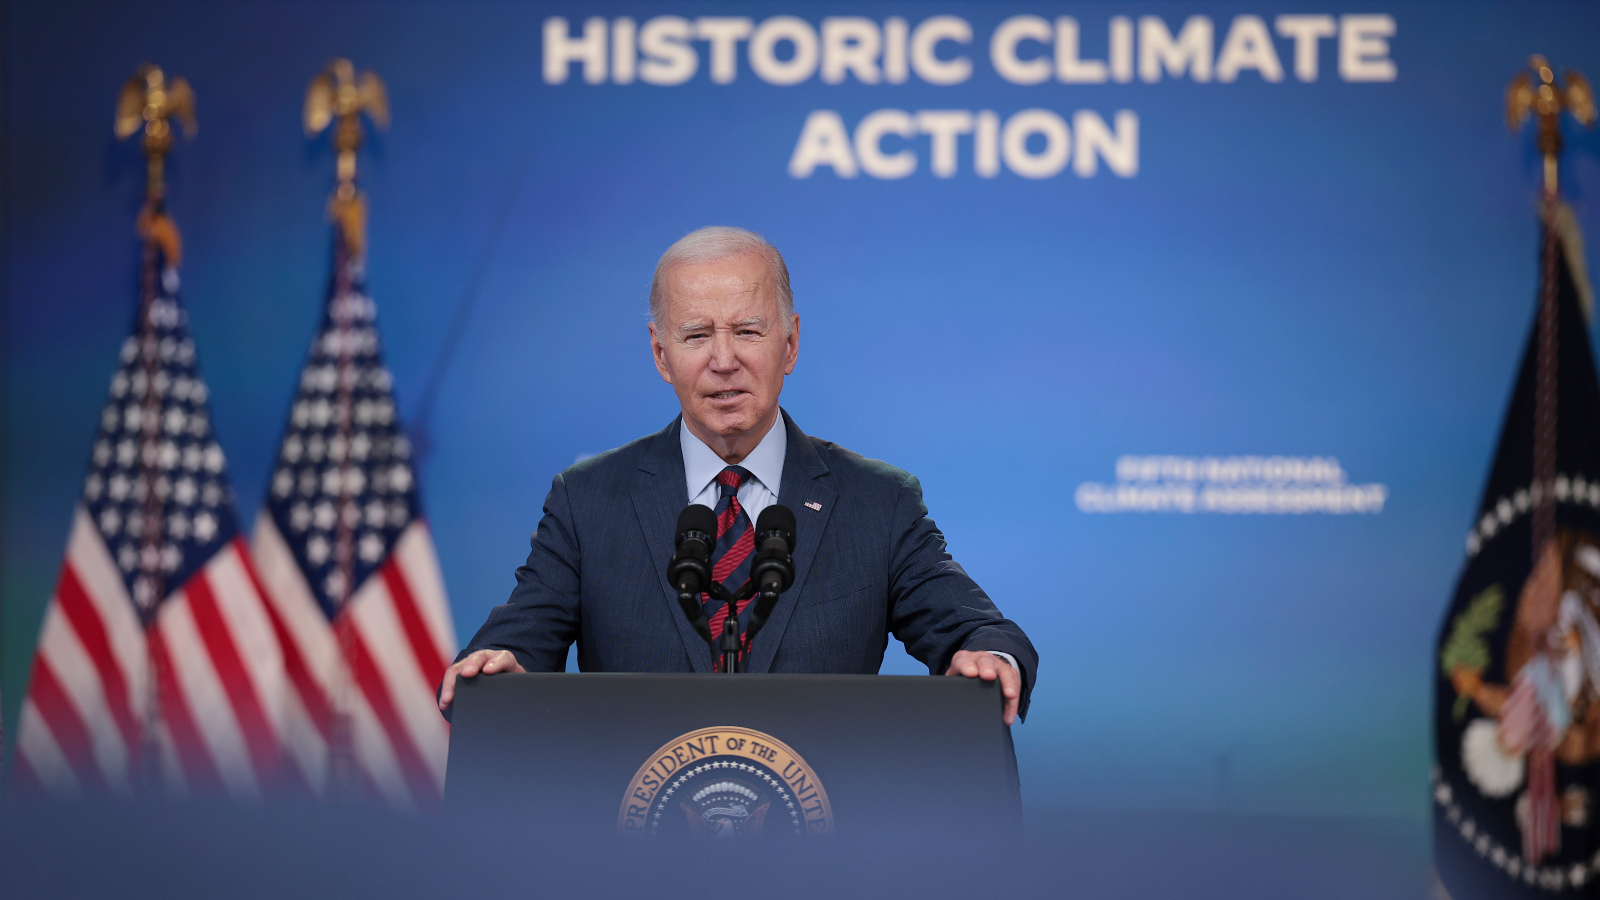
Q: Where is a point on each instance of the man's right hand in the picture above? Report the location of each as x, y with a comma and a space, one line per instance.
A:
487, 662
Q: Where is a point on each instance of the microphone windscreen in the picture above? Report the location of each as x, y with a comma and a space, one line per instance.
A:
780, 519
697, 517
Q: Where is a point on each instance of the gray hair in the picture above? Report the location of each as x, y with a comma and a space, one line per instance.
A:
713, 243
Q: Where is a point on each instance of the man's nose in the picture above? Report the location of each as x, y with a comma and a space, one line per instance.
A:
724, 357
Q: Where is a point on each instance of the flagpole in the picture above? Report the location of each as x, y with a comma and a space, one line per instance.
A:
1545, 390
342, 750
148, 101
1537, 93
337, 97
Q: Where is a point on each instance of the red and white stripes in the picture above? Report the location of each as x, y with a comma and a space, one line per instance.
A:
397, 641
215, 714
250, 683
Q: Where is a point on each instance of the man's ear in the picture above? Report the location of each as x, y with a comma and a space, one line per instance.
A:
659, 353
793, 340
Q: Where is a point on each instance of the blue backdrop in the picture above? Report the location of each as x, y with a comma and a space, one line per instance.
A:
1339, 268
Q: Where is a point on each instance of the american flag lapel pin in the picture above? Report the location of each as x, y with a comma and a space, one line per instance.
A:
812, 504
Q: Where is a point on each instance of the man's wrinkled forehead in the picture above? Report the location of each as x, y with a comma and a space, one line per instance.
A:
721, 292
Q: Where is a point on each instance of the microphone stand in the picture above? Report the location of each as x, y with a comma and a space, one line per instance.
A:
729, 644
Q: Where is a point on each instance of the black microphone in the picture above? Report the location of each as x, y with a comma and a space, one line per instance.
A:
773, 568
690, 569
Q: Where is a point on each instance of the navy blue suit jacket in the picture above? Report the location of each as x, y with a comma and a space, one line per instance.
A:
868, 563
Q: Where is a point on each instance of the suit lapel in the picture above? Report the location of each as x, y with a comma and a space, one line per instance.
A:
802, 466
659, 493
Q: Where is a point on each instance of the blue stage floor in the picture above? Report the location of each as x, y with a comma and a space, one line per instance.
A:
170, 851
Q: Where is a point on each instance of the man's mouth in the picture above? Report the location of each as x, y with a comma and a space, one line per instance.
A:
725, 395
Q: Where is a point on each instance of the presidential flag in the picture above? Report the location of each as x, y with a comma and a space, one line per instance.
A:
349, 567
156, 668
1517, 684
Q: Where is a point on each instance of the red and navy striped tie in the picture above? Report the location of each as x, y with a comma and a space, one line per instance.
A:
730, 561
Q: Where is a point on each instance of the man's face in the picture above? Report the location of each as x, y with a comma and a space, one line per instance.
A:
723, 347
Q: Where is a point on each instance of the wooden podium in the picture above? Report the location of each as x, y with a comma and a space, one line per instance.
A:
768, 757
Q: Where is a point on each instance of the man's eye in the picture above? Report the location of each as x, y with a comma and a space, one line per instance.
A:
691, 338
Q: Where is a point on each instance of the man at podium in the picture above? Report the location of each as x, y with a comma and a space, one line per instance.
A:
868, 561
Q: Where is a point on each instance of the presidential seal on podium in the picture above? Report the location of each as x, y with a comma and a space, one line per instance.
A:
725, 782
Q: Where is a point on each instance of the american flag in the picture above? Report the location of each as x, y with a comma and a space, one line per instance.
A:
350, 568
156, 668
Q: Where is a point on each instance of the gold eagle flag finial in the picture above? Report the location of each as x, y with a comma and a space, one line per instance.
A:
338, 97
150, 100
1538, 93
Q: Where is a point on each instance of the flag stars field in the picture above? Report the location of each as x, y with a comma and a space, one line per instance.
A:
343, 451
155, 438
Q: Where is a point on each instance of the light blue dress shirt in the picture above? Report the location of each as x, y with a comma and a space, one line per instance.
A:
702, 465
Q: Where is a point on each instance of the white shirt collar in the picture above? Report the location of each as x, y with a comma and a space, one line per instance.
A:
701, 464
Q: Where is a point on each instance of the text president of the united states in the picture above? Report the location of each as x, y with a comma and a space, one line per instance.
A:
868, 560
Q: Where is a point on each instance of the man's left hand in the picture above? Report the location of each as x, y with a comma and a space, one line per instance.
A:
985, 665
